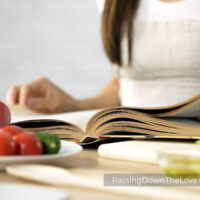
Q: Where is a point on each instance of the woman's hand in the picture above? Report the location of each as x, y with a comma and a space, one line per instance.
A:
41, 95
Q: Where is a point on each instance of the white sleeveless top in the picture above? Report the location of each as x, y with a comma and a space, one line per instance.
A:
165, 57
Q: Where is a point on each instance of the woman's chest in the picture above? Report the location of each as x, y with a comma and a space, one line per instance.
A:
166, 49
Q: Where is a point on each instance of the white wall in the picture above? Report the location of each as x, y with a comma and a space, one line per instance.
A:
59, 39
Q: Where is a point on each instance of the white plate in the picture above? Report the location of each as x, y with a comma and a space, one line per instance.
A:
67, 149
30, 192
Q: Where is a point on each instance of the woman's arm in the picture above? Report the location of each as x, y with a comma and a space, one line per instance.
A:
108, 97
43, 96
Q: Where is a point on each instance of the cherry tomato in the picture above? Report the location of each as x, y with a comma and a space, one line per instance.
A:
4, 115
28, 144
12, 130
7, 145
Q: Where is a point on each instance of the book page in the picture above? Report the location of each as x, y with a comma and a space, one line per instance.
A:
191, 109
79, 118
187, 108
188, 121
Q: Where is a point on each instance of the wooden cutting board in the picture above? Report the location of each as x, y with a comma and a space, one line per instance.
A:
139, 151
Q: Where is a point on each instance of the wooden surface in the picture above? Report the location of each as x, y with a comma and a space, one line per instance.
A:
90, 164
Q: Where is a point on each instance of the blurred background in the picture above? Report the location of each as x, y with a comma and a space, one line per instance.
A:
59, 39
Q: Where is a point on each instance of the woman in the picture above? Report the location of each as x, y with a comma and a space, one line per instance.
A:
153, 46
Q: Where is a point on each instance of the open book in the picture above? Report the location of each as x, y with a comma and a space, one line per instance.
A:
179, 121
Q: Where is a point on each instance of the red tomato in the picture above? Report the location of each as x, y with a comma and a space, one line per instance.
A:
7, 145
28, 144
12, 130
4, 115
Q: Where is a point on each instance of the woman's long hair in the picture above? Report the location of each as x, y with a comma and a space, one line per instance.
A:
117, 17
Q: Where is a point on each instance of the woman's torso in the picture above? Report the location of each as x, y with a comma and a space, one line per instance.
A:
166, 54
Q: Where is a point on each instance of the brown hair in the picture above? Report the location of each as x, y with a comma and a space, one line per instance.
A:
117, 15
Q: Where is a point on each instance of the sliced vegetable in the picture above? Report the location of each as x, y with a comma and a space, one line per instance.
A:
7, 145
50, 142
198, 142
28, 144
12, 130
